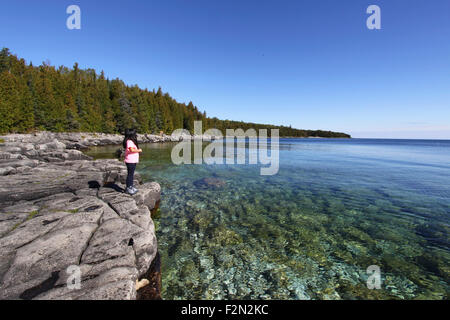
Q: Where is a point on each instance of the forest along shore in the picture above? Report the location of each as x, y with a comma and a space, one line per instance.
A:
63, 215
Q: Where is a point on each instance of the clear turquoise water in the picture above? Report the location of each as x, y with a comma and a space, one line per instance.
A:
310, 232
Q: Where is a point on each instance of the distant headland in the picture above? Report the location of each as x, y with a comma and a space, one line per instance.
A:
60, 99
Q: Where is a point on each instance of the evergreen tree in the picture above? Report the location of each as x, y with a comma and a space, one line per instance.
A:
9, 100
64, 99
4, 60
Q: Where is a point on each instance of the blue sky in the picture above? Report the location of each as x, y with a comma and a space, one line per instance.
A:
310, 64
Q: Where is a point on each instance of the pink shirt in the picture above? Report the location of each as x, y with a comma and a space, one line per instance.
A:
131, 157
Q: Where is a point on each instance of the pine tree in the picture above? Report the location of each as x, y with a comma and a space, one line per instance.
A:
9, 100
4, 60
46, 98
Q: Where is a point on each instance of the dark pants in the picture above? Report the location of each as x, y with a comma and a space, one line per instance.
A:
131, 167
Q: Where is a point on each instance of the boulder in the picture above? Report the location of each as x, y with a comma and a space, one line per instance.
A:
7, 170
55, 145
209, 182
75, 155
148, 195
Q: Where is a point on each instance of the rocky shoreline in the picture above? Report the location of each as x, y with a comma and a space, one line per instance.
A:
63, 215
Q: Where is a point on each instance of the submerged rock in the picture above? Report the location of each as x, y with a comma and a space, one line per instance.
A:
209, 182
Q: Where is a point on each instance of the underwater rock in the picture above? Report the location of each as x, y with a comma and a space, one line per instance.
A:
153, 290
209, 182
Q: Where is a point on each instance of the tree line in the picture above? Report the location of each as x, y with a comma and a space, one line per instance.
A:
81, 100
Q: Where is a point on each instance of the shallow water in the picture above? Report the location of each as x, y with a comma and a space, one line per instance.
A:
312, 230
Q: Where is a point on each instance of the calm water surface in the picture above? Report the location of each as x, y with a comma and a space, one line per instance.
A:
335, 208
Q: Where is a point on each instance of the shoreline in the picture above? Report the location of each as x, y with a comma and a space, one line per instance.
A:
53, 181
59, 208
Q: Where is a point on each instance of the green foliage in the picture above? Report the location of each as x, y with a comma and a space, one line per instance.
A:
32, 214
63, 99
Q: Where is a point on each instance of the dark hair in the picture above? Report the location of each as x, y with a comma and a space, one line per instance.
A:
130, 134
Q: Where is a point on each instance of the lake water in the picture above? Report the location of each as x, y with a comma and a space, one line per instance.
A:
311, 231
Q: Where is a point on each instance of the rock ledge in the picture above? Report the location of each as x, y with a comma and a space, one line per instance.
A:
64, 215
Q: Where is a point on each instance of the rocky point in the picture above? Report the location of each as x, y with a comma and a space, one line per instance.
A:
59, 209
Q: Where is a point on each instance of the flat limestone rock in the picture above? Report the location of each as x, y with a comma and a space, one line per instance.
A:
9, 221
82, 230
31, 229
114, 284
53, 252
59, 210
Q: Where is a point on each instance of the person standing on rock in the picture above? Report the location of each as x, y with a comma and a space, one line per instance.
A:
132, 151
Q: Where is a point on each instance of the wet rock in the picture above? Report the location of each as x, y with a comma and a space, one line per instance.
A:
209, 182
152, 291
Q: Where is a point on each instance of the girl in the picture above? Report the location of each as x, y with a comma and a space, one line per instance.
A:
132, 151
